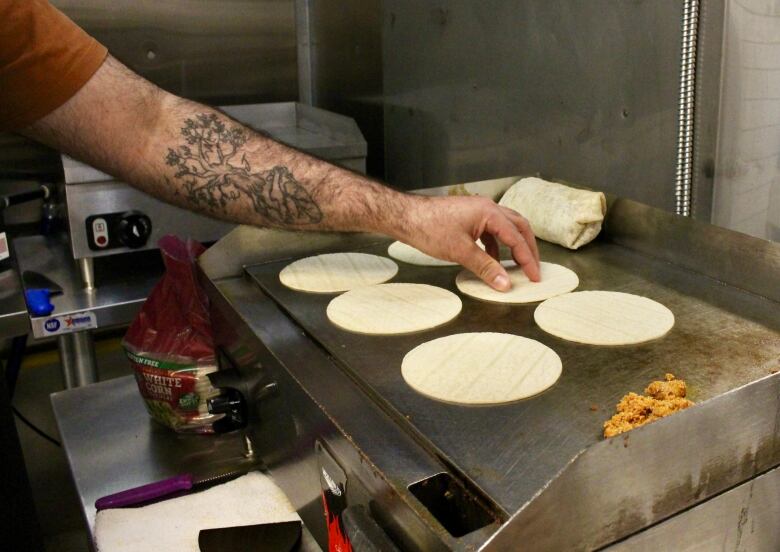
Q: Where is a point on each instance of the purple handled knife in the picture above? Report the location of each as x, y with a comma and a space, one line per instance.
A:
160, 489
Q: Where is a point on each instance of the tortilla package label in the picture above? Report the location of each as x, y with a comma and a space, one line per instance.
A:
169, 389
170, 344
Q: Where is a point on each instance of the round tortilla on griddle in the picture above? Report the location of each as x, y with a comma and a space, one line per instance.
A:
556, 279
387, 309
335, 272
408, 254
481, 368
604, 318
411, 255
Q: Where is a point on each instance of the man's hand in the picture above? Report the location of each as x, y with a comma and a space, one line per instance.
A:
200, 159
448, 227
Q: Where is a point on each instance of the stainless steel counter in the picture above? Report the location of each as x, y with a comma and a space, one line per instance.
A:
111, 443
124, 283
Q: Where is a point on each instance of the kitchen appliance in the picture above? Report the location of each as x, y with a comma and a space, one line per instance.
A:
337, 427
108, 217
6, 201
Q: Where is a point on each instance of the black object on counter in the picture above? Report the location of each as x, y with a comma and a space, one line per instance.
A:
36, 280
264, 537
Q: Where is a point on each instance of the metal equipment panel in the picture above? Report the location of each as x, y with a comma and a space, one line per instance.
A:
747, 172
126, 281
744, 518
533, 459
219, 51
722, 339
340, 65
93, 196
579, 91
312, 400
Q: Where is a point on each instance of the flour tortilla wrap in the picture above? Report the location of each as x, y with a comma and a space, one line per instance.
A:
557, 213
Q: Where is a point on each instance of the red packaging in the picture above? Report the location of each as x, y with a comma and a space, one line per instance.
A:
170, 344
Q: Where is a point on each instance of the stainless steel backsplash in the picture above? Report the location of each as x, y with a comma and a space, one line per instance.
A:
218, 51
453, 90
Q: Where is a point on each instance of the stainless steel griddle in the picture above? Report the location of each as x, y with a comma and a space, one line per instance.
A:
512, 451
540, 468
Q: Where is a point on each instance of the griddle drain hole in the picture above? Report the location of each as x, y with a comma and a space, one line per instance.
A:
451, 504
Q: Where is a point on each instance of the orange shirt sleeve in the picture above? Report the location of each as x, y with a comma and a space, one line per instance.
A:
45, 58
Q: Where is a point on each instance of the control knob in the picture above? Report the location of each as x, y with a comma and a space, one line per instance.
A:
134, 230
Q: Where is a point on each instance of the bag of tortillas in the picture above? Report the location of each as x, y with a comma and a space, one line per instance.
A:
170, 344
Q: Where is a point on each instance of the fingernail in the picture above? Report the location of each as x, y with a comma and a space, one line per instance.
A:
501, 282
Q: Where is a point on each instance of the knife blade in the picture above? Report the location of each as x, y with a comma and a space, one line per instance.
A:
36, 280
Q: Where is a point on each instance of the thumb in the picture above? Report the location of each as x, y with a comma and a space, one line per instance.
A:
487, 268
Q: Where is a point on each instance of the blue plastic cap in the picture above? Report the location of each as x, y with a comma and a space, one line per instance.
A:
38, 301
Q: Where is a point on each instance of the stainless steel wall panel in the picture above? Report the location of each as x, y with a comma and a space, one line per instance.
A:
747, 174
219, 51
344, 54
579, 91
707, 99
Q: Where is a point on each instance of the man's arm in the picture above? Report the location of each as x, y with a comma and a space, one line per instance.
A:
200, 159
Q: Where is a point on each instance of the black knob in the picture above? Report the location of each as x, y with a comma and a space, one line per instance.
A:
134, 230
224, 404
232, 405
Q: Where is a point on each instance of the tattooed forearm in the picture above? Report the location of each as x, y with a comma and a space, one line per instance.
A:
215, 173
125, 126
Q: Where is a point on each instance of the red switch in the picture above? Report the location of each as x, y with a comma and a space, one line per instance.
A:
100, 232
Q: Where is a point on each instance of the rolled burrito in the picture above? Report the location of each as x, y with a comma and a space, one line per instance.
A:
557, 213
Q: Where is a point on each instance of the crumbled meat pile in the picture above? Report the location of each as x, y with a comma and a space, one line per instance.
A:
661, 398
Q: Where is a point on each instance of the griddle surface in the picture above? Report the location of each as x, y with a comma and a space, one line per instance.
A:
723, 338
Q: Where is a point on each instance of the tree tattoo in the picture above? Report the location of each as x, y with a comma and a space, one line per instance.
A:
214, 178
